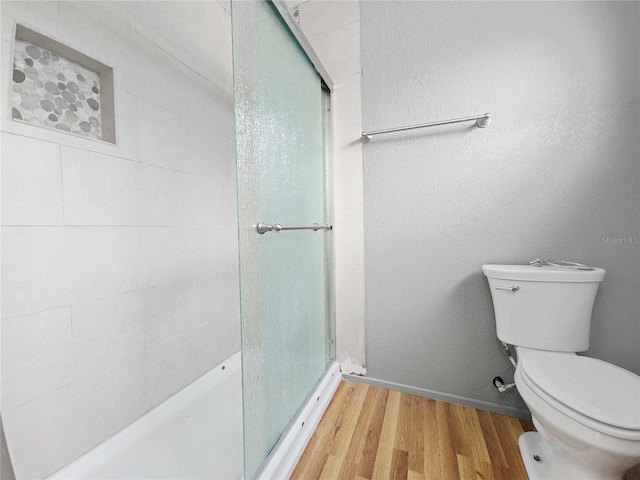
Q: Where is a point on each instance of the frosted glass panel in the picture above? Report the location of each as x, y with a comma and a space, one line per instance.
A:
280, 125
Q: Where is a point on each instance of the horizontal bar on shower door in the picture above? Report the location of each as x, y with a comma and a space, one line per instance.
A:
262, 227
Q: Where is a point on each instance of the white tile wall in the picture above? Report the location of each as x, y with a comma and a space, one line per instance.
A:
323, 16
186, 356
339, 48
139, 61
235, 331
348, 198
178, 143
346, 101
125, 13
5, 70
95, 33
100, 189
105, 190
350, 293
52, 413
170, 197
172, 310
50, 267
54, 427
119, 262
216, 202
108, 330
37, 355
225, 256
350, 255
201, 102
177, 253
31, 182
218, 295
180, 32
185, 35
127, 128
44, 14
95, 398
348, 151
222, 31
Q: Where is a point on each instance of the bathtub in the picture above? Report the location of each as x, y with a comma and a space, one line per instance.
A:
195, 434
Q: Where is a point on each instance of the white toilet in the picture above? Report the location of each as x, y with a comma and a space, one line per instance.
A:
587, 411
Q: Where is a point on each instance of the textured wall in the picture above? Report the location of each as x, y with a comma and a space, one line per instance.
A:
119, 262
554, 174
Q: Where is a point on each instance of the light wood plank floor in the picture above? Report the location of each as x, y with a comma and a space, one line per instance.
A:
374, 433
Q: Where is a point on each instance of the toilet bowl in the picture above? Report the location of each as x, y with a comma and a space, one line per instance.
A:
586, 413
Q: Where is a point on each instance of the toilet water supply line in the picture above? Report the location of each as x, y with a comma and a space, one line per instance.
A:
507, 347
498, 382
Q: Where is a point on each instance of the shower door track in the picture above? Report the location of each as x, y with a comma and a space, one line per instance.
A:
289, 19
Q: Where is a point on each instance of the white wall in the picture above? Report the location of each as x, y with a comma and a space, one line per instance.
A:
119, 263
554, 173
333, 29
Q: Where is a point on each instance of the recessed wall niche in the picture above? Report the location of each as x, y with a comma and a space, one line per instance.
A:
55, 86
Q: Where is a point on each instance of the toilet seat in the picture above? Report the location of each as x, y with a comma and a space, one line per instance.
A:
595, 393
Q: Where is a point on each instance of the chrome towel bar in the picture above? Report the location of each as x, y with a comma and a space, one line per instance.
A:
481, 121
262, 227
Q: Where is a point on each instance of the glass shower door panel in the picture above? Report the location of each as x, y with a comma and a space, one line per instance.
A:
281, 179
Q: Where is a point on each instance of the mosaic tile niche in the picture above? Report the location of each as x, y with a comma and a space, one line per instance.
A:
54, 87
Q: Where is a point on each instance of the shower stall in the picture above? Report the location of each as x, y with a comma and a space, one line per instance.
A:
150, 329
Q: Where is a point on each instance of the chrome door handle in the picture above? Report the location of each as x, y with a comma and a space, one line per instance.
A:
513, 288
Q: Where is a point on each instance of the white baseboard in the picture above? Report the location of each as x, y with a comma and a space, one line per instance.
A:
284, 457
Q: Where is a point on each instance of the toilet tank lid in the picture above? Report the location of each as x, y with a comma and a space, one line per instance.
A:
545, 273
597, 389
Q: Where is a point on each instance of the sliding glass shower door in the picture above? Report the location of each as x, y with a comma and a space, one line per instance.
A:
285, 280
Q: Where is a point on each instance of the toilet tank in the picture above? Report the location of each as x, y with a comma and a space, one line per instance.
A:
547, 308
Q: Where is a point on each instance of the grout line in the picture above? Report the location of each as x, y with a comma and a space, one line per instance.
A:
148, 40
50, 392
62, 144
73, 344
175, 282
331, 29
136, 162
64, 219
100, 146
58, 20
351, 318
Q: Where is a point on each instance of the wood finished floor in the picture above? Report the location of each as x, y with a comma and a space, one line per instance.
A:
378, 434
